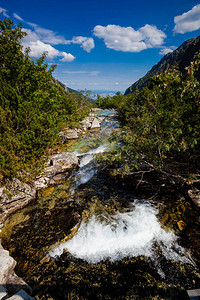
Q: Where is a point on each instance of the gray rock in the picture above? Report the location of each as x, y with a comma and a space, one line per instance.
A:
68, 134
87, 122
95, 123
61, 163
15, 196
194, 195
7, 264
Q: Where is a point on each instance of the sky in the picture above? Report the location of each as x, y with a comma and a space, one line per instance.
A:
103, 45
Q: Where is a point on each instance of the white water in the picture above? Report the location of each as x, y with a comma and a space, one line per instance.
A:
86, 167
128, 234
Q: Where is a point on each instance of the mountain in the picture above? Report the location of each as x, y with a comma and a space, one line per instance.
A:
68, 90
180, 58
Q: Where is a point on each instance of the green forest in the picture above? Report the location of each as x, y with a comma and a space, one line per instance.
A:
161, 126
33, 108
160, 123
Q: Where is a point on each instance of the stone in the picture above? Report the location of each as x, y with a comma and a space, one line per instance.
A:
68, 134
87, 122
10, 283
95, 123
21, 295
61, 163
194, 195
95, 109
15, 196
7, 264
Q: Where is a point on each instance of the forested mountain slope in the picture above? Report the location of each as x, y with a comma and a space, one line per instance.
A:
180, 58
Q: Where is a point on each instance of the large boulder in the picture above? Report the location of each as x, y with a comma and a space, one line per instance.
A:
194, 195
68, 134
95, 123
10, 283
61, 163
58, 168
15, 196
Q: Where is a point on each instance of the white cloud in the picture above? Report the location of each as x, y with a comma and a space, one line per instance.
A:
86, 43
67, 57
166, 50
127, 39
48, 36
4, 12
38, 48
188, 21
16, 16
51, 37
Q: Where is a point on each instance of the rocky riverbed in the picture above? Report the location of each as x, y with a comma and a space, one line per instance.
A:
89, 238
18, 194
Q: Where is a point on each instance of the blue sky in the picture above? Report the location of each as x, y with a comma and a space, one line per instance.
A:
107, 44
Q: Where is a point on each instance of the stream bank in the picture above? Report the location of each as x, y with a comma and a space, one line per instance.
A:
89, 238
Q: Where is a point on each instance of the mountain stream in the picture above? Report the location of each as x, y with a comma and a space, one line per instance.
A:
88, 238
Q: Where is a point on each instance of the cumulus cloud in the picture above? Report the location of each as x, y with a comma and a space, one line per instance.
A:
188, 21
38, 47
127, 39
4, 12
51, 37
86, 43
67, 57
166, 50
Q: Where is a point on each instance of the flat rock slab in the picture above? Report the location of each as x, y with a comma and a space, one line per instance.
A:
61, 163
68, 134
194, 294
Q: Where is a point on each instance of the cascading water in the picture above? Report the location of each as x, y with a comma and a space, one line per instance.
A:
119, 249
129, 234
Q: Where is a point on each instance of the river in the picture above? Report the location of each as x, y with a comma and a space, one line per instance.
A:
122, 247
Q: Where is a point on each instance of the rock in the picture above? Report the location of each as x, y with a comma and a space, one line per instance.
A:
194, 195
61, 163
10, 283
95, 109
7, 264
95, 123
21, 295
41, 182
15, 196
86, 123
68, 134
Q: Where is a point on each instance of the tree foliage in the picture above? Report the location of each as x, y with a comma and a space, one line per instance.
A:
32, 106
161, 124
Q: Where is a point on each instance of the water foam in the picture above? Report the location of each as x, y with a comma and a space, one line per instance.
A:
128, 234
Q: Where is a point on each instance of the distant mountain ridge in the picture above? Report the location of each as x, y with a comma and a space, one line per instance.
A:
181, 58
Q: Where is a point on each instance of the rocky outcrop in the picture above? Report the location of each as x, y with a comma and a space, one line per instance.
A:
194, 195
91, 122
18, 194
11, 286
180, 58
15, 196
58, 168
68, 134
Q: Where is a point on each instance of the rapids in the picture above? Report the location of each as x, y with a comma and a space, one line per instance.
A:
92, 239
128, 234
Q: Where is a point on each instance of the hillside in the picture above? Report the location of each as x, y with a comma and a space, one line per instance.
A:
180, 58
